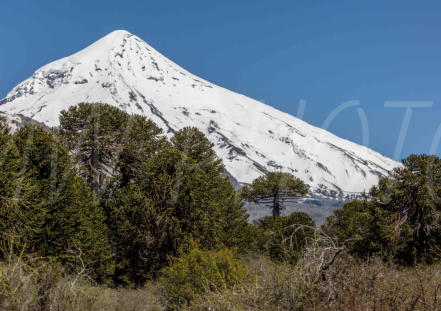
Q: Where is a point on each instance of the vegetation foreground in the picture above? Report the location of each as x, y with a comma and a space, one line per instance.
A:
346, 285
106, 213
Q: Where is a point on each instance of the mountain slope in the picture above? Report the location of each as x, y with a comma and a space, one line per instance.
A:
251, 137
16, 121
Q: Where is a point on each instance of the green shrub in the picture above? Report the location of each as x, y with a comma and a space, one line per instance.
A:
285, 237
197, 273
361, 227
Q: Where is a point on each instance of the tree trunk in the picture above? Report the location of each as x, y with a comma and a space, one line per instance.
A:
276, 203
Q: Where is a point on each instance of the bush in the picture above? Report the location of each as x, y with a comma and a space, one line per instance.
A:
347, 284
362, 227
197, 273
275, 287
285, 237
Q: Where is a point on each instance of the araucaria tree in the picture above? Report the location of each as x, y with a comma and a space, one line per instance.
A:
401, 218
105, 141
274, 188
177, 199
46, 210
412, 194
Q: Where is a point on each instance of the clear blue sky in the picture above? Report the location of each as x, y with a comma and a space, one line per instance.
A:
325, 52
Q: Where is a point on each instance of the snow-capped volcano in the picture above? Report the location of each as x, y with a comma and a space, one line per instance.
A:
251, 137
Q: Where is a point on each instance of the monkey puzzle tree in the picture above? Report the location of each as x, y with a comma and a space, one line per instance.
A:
412, 193
401, 219
274, 188
9, 179
46, 209
178, 198
105, 141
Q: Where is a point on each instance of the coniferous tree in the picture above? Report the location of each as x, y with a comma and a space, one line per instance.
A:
53, 208
144, 140
413, 194
105, 140
11, 202
286, 236
363, 227
234, 218
195, 145
172, 204
401, 218
274, 188
93, 132
159, 215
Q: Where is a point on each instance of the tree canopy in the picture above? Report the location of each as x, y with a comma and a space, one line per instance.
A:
105, 141
274, 188
49, 211
413, 194
400, 217
175, 201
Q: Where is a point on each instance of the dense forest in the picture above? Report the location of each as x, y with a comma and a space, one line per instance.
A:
106, 213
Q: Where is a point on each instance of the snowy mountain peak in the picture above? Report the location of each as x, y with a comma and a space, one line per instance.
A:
118, 33
122, 70
107, 43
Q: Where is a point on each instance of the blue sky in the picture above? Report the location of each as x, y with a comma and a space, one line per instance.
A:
324, 52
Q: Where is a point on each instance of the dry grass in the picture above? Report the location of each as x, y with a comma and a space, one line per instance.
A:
326, 278
24, 288
378, 286
317, 282
346, 286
